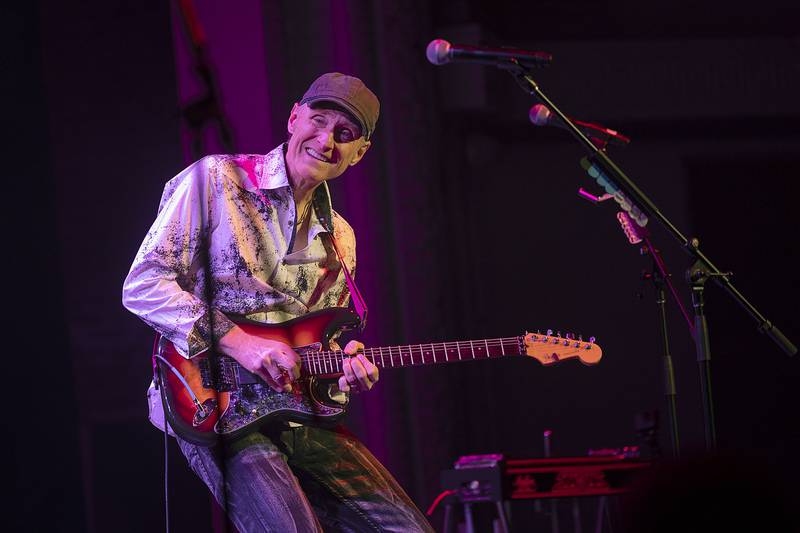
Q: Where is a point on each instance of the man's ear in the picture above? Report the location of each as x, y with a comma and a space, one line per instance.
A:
360, 152
292, 118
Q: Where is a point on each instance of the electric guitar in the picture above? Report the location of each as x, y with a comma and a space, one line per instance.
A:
207, 397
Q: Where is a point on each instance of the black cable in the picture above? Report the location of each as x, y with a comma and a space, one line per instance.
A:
160, 384
166, 478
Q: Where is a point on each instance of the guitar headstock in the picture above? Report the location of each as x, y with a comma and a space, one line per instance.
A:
550, 349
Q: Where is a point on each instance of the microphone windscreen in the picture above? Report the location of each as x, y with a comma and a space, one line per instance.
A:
438, 51
539, 115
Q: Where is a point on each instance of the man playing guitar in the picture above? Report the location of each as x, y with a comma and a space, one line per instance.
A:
255, 237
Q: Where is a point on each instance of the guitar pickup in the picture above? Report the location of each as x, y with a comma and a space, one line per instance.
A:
223, 380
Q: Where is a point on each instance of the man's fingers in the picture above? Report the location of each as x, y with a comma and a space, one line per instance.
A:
360, 375
289, 361
370, 368
358, 369
350, 379
343, 385
353, 347
276, 367
264, 374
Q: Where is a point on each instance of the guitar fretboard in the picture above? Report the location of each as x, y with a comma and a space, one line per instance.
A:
330, 361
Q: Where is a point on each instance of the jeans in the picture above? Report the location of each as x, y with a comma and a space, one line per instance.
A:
303, 479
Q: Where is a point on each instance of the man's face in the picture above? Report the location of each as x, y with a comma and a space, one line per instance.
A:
324, 142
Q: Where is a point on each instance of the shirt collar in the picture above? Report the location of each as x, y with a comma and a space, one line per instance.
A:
272, 175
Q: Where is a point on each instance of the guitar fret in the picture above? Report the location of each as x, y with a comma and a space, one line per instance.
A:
331, 361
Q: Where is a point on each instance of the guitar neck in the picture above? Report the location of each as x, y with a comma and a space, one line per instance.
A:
330, 361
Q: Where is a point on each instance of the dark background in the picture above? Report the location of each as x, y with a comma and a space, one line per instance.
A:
467, 218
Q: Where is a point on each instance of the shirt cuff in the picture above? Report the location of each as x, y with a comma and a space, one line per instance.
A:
212, 325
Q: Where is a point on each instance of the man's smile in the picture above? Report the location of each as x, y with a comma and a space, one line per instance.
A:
316, 155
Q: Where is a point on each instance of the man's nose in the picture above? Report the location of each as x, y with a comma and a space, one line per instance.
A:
326, 139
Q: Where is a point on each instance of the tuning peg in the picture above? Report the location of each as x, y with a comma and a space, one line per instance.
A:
549, 332
591, 340
580, 337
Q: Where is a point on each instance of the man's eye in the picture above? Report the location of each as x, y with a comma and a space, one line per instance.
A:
318, 120
346, 135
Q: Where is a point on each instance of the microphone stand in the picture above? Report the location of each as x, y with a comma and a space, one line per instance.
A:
701, 270
659, 277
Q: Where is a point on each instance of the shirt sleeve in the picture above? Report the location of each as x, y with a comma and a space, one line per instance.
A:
164, 286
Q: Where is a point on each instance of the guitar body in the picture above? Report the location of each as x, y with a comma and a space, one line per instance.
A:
201, 405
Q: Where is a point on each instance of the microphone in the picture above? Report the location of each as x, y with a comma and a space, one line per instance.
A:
440, 52
541, 116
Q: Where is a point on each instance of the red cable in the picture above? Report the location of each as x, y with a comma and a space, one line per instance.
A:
438, 500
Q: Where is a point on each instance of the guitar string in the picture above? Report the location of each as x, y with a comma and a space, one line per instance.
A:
409, 350
414, 349
421, 349
332, 358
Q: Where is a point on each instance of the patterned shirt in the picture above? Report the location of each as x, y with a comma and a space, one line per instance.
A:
214, 210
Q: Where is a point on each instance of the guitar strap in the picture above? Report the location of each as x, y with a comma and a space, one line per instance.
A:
359, 304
